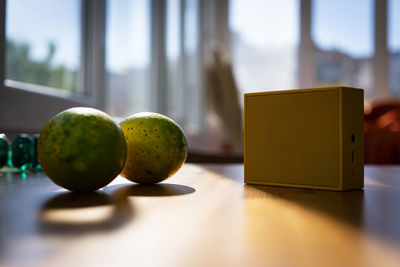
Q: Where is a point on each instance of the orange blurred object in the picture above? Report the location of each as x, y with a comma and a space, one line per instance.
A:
382, 133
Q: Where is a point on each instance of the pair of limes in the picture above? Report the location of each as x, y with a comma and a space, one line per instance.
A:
83, 149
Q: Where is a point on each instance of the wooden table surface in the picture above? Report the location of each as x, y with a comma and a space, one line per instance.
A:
203, 216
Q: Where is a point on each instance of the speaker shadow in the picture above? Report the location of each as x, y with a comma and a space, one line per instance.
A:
345, 206
366, 210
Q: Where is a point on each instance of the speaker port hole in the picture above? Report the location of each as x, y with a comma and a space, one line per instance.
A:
353, 138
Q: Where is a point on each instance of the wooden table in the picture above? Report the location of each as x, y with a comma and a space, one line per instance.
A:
203, 216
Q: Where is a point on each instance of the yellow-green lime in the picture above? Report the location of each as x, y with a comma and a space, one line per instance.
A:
157, 147
81, 149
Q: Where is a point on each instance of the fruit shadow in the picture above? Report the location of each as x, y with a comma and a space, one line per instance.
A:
153, 190
81, 213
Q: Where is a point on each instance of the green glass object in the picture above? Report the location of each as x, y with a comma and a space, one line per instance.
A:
4, 146
22, 152
35, 163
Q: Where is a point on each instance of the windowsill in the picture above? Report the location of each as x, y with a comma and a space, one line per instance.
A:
49, 92
26, 107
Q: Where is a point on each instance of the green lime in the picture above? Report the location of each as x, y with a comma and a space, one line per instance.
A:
157, 147
81, 149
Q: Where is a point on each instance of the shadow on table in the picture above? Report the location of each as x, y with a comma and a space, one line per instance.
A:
77, 213
359, 208
155, 190
346, 206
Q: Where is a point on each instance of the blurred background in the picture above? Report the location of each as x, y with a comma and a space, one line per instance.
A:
193, 60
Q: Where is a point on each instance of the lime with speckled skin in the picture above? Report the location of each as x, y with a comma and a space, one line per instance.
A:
81, 149
157, 147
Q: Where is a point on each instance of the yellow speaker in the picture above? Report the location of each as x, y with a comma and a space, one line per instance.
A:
308, 138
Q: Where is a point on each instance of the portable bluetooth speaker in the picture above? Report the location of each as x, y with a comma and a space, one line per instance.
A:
309, 138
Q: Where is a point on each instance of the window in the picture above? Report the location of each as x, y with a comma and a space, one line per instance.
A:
128, 57
37, 53
264, 41
192, 68
394, 46
175, 53
342, 32
140, 68
44, 71
156, 54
